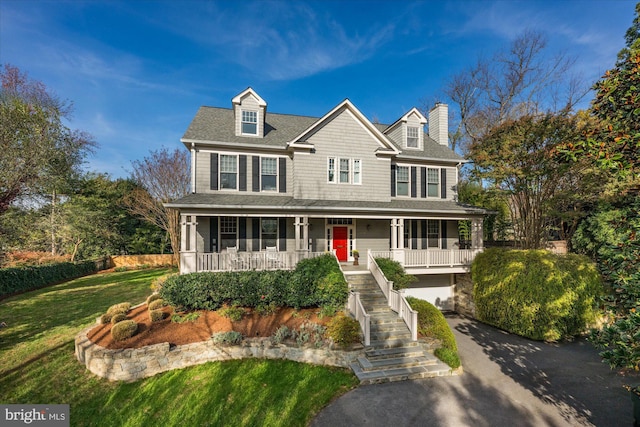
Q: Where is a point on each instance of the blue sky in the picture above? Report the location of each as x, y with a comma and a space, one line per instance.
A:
137, 71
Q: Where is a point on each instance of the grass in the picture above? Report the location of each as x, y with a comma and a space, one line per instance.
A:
37, 365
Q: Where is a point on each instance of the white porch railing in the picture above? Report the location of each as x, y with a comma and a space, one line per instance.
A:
430, 257
242, 261
397, 301
357, 310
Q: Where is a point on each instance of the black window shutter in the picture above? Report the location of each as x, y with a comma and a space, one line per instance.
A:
423, 233
393, 180
213, 234
242, 234
282, 234
255, 173
423, 183
214, 171
282, 175
243, 173
255, 234
414, 184
443, 227
443, 183
414, 234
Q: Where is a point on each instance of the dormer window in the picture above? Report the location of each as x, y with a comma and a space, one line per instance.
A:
249, 122
412, 137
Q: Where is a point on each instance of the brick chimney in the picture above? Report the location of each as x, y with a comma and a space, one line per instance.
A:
439, 124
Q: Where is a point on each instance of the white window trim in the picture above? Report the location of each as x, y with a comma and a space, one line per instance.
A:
408, 181
349, 169
335, 176
353, 171
438, 186
220, 171
242, 121
277, 174
262, 244
417, 128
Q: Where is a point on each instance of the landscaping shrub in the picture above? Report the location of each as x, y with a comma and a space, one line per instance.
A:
267, 309
281, 334
344, 330
157, 315
106, 318
20, 279
534, 293
394, 271
188, 317
431, 323
229, 338
313, 283
310, 332
122, 307
118, 317
123, 330
233, 313
153, 297
156, 304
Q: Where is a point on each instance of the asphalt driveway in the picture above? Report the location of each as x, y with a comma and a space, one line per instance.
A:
507, 380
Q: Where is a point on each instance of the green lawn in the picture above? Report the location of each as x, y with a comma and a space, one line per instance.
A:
37, 365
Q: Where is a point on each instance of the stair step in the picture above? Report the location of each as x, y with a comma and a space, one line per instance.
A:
399, 374
383, 353
391, 343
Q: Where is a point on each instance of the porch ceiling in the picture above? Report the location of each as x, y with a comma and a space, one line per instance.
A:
288, 206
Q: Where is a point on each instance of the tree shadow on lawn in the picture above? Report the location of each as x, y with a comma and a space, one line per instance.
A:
566, 375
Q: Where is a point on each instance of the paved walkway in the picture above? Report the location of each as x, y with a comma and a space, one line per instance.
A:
508, 380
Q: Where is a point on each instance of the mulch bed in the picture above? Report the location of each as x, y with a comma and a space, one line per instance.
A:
209, 323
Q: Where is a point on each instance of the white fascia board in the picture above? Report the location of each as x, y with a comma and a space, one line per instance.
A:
188, 143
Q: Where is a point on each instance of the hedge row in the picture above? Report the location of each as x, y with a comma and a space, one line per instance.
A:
535, 293
20, 279
315, 282
432, 323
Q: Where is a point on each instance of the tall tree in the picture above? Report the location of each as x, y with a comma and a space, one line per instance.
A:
36, 147
163, 176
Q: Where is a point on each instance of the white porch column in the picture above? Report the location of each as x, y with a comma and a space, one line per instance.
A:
183, 233
188, 239
477, 232
305, 233
301, 227
397, 239
193, 167
394, 234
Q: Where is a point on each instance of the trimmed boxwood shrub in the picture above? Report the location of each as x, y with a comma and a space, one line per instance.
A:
153, 297
122, 307
344, 330
394, 271
229, 338
431, 323
157, 315
535, 293
314, 282
157, 303
20, 279
123, 330
118, 318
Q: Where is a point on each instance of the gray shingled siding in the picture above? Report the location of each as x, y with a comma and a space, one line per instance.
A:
396, 135
343, 137
375, 238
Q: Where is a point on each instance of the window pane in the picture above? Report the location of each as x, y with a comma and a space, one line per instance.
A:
227, 232
412, 136
331, 170
402, 179
228, 168
269, 232
433, 233
356, 171
344, 171
269, 174
250, 122
433, 182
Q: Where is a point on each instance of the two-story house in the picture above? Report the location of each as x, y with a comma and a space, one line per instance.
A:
269, 189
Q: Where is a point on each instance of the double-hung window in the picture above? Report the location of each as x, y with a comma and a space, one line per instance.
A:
433, 233
402, 181
249, 122
228, 231
269, 232
344, 171
433, 182
228, 172
331, 169
357, 171
412, 137
269, 173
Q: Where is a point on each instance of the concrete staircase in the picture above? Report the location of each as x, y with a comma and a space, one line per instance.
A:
392, 356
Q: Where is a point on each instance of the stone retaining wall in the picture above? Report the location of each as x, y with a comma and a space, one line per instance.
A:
464, 303
135, 363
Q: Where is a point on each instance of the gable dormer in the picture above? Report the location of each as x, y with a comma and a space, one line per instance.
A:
408, 130
249, 110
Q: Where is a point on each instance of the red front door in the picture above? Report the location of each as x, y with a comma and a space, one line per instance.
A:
340, 242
